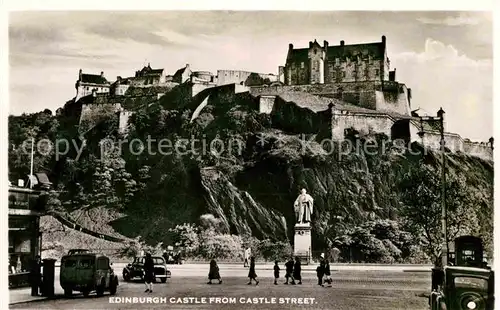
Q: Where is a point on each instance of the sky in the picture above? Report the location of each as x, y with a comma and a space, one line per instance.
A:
446, 58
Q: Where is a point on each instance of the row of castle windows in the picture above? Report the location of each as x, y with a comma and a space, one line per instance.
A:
337, 62
315, 64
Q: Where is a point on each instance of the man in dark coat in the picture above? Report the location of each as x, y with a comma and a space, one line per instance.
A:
297, 269
320, 270
252, 275
36, 276
276, 272
149, 273
289, 270
213, 273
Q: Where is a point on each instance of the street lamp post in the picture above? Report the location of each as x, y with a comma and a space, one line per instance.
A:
440, 118
440, 114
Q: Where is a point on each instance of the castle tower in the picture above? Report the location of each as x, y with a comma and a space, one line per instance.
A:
316, 55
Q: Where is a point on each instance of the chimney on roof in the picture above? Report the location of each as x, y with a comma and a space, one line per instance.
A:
187, 65
383, 40
290, 46
342, 43
325, 44
80, 75
102, 73
310, 44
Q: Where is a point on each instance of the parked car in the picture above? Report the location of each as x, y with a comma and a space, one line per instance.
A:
136, 269
172, 258
86, 272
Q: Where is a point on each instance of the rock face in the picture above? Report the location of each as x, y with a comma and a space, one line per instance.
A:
240, 213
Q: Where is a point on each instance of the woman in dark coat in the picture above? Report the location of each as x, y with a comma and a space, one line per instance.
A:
213, 274
328, 279
297, 268
149, 273
251, 273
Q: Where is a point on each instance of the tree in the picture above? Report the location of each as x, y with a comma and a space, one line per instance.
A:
421, 208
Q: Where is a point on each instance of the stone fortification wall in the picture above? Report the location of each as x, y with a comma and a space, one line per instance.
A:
375, 95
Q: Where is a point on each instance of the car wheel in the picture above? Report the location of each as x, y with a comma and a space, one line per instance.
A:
113, 286
163, 280
100, 289
68, 292
126, 276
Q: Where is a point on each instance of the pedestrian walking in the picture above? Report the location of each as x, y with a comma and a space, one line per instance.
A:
297, 269
276, 272
213, 273
320, 270
149, 273
289, 270
252, 275
327, 278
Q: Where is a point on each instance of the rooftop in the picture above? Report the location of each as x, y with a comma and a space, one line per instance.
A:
94, 79
376, 50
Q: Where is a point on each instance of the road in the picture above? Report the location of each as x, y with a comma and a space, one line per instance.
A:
372, 289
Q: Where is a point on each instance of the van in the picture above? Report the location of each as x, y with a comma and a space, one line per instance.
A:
86, 272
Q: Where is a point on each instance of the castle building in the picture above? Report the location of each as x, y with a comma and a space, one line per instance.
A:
149, 76
90, 83
335, 64
245, 78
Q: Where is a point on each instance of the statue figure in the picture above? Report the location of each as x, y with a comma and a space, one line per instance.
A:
303, 207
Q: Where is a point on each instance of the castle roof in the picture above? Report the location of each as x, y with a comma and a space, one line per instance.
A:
375, 50
147, 70
180, 71
94, 79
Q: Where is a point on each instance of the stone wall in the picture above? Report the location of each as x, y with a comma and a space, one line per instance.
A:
369, 94
239, 77
479, 149
123, 118
196, 88
363, 123
393, 100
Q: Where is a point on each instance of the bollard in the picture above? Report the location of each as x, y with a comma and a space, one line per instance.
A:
48, 283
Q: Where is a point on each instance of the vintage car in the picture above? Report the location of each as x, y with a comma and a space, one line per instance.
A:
136, 269
464, 288
86, 272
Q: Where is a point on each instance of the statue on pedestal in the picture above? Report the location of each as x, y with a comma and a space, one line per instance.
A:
303, 207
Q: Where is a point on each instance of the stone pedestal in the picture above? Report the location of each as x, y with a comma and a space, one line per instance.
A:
302, 242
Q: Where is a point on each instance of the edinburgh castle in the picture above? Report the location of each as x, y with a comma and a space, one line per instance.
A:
349, 86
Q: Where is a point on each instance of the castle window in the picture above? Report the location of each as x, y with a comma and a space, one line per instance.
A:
315, 51
302, 65
377, 72
343, 74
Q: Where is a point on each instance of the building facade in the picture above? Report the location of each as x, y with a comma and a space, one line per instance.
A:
327, 64
90, 83
25, 240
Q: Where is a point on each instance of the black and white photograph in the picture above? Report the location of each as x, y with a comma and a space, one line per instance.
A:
250, 159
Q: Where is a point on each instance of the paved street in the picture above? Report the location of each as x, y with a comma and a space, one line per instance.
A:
362, 289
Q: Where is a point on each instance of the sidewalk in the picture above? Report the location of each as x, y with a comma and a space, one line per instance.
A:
20, 295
